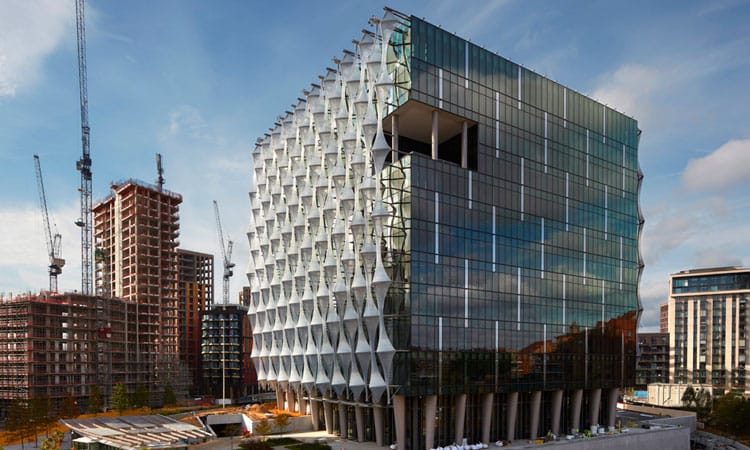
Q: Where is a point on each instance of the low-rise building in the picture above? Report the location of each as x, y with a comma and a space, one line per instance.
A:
134, 433
227, 368
652, 365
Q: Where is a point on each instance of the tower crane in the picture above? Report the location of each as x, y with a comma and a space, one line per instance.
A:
159, 173
54, 241
83, 165
226, 254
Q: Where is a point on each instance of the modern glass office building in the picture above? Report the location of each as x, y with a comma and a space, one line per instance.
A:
444, 245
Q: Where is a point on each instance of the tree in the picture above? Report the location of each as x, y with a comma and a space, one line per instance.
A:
53, 441
281, 421
732, 413
262, 428
688, 397
141, 397
698, 401
95, 402
119, 399
703, 403
19, 414
170, 399
69, 407
38, 412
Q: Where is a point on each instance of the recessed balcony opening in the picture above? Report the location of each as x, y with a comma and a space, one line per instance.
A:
413, 126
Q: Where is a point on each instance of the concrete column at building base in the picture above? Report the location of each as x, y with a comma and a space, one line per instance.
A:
377, 419
399, 418
595, 400
536, 404
487, 402
302, 402
343, 428
614, 394
314, 412
512, 413
460, 417
430, 410
557, 397
575, 413
328, 415
360, 420
280, 396
290, 400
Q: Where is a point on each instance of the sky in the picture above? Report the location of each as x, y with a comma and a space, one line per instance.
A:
199, 81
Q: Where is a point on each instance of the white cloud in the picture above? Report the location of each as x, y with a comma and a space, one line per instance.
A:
662, 234
717, 257
724, 168
206, 159
652, 293
680, 222
630, 89
23, 260
29, 32
187, 122
456, 17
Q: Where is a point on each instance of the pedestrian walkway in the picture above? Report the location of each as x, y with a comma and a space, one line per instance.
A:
334, 441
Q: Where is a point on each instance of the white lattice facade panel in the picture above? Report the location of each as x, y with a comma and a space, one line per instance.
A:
317, 276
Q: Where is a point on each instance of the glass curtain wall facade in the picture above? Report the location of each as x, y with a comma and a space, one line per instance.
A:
505, 266
226, 344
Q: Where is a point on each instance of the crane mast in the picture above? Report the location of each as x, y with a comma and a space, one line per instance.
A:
159, 173
226, 254
54, 241
83, 165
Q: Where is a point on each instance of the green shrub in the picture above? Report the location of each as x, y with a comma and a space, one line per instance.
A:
255, 444
282, 441
307, 446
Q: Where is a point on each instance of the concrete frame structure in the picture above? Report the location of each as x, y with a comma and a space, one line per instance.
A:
707, 322
195, 295
428, 268
136, 230
50, 347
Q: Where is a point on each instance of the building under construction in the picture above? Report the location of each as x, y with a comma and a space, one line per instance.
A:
195, 294
136, 229
50, 347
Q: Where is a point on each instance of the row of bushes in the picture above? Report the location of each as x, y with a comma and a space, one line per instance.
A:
291, 444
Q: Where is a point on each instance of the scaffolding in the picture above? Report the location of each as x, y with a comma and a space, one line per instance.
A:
53, 346
50, 346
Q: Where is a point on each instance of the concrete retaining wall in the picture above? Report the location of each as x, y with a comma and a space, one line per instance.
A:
662, 439
296, 425
675, 417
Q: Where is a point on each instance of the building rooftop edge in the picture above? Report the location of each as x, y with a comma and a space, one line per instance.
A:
405, 16
711, 270
136, 182
193, 252
496, 53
